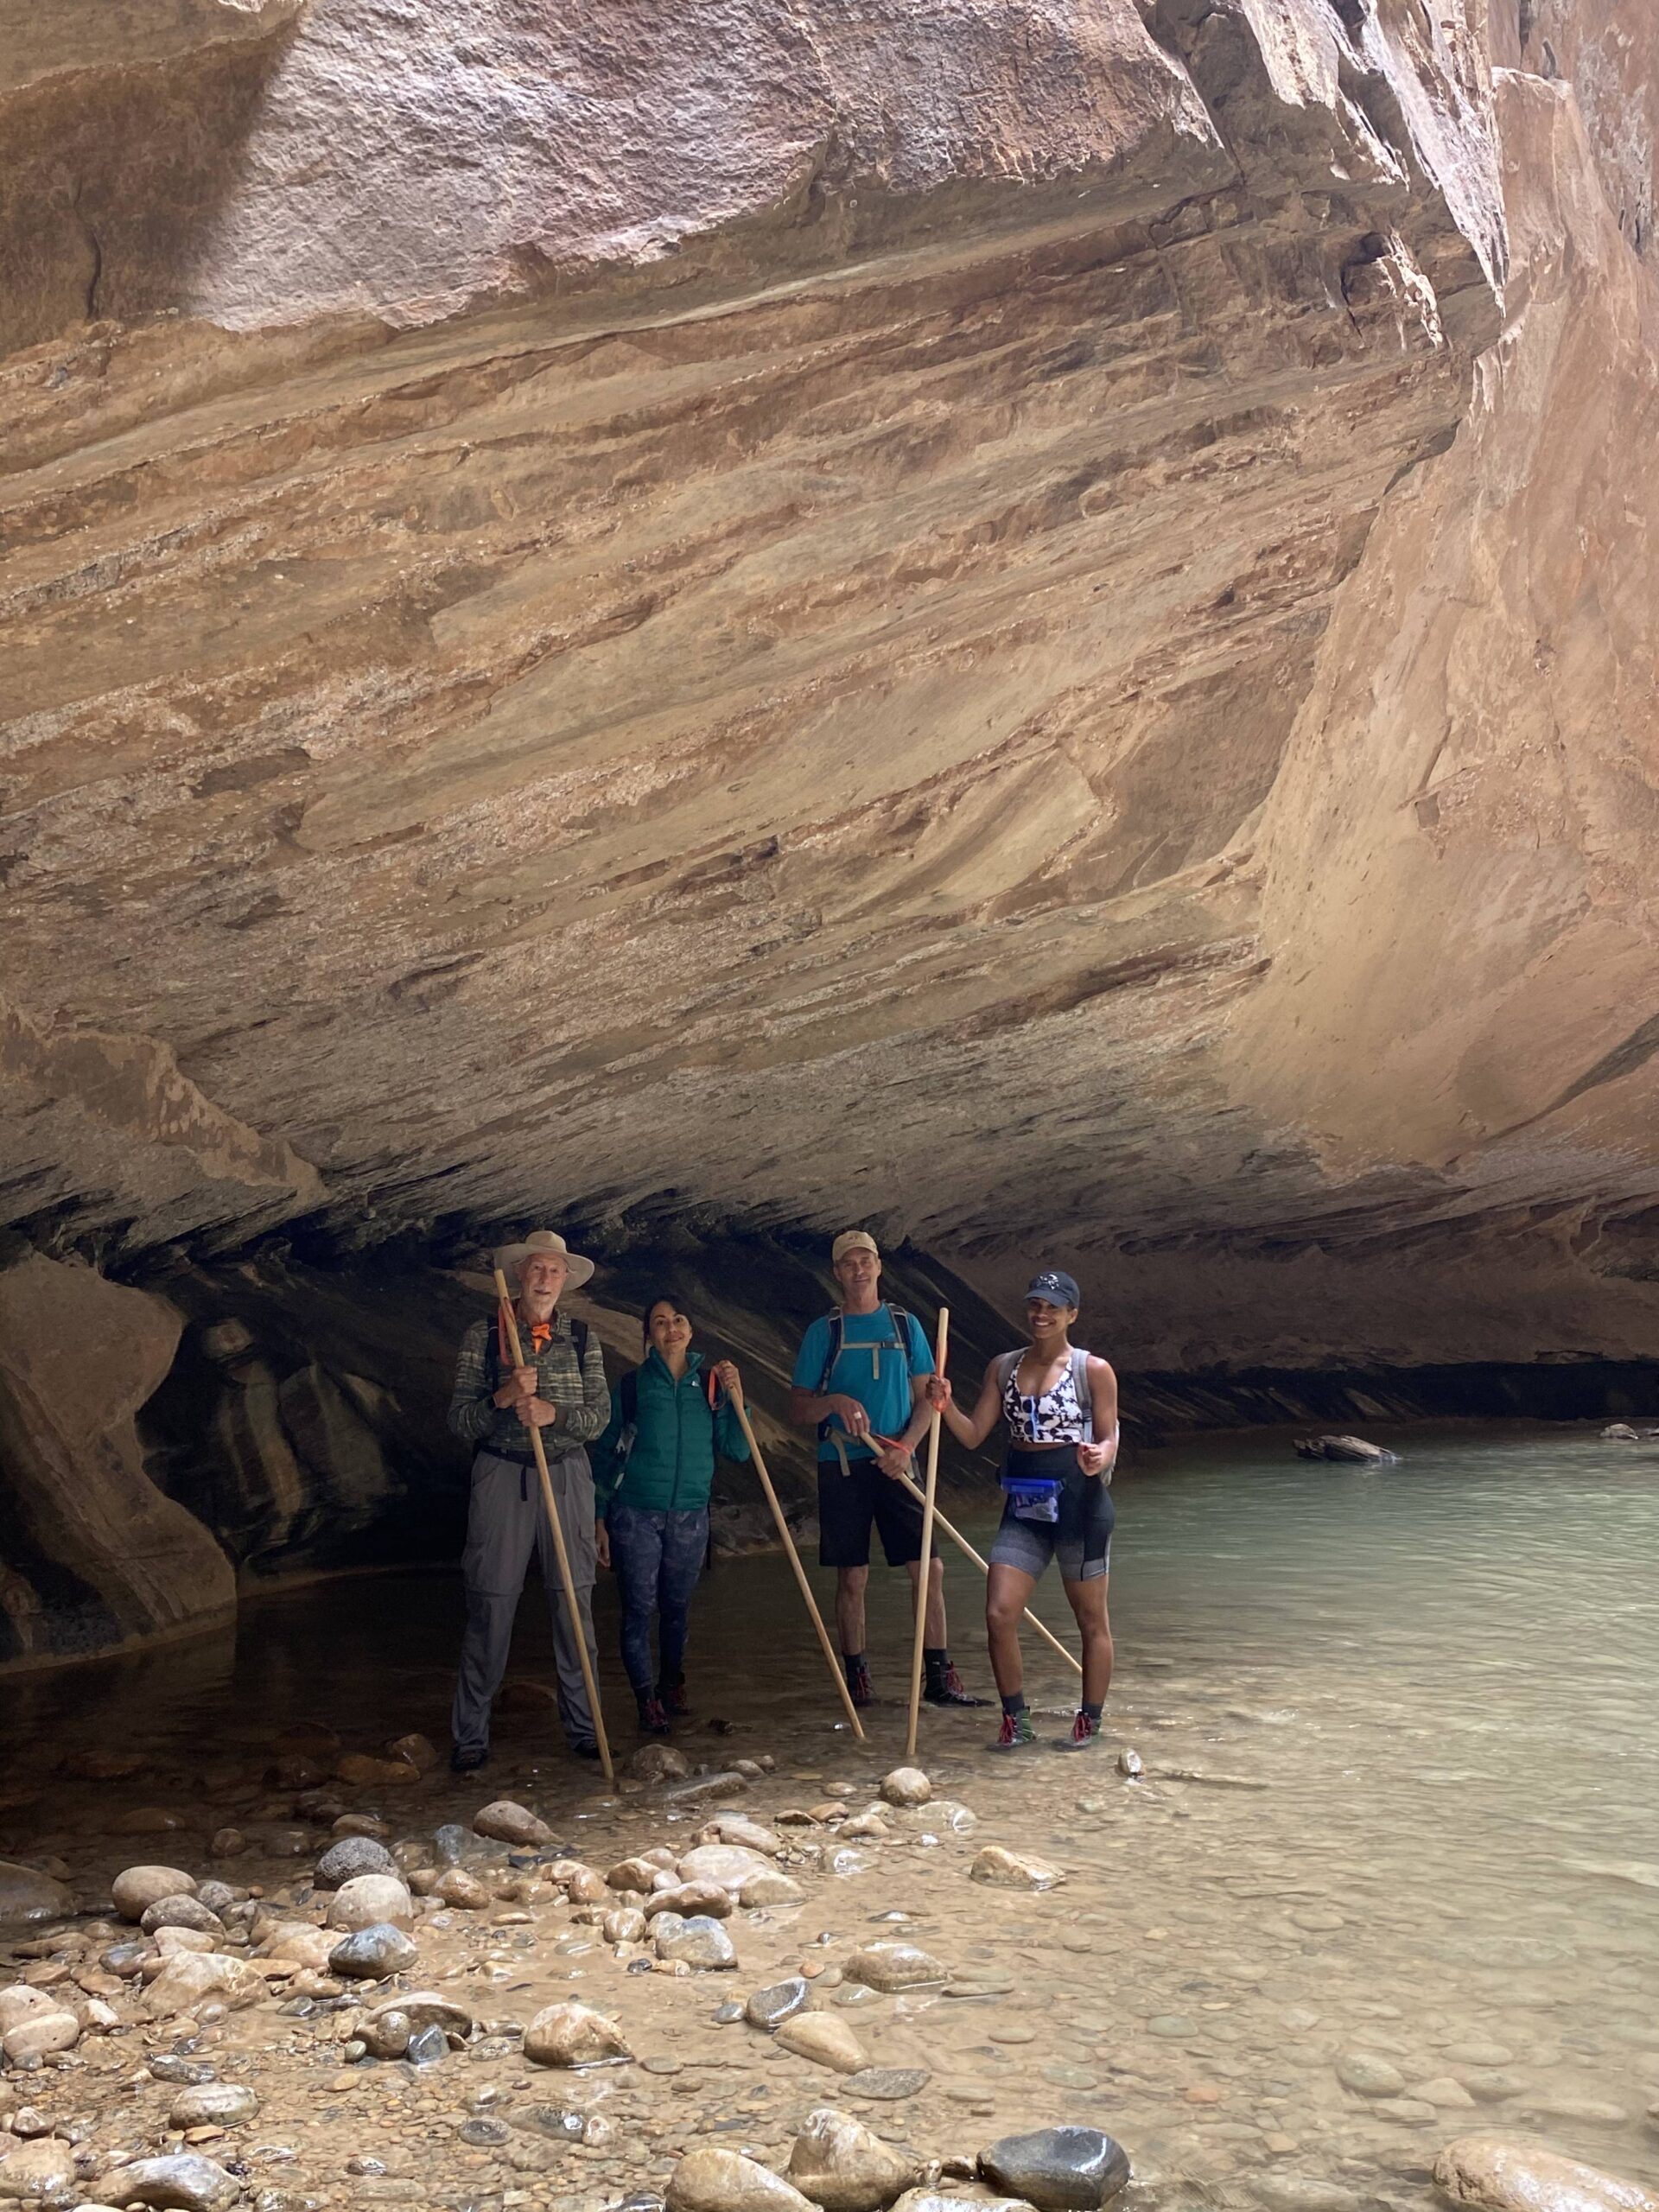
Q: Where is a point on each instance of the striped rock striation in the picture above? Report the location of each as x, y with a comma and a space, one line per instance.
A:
1031, 622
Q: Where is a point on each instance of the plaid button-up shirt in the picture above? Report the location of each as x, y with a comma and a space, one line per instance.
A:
576, 1387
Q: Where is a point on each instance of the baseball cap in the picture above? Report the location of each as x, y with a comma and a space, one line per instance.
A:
854, 1240
1058, 1288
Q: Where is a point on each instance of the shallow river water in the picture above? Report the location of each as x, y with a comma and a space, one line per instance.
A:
1391, 1874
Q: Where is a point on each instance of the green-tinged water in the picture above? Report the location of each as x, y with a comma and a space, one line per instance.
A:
1400, 1731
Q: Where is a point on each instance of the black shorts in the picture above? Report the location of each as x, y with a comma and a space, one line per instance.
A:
847, 1505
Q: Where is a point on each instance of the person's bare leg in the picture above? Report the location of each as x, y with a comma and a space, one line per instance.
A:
849, 1608
933, 1635
1006, 1592
1088, 1603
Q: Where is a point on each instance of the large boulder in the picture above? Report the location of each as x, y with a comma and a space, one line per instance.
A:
126, 1562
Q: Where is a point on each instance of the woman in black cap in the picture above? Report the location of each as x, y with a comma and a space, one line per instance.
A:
1061, 1404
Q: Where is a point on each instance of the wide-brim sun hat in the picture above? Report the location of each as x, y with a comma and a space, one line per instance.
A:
507, 1256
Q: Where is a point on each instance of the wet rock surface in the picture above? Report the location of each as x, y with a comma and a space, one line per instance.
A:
373, 1952
27, 1896
725, 2181
184, 2182
1057, 2169
841, 2166
1502, 2175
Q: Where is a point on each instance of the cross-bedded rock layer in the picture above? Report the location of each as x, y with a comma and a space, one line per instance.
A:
1034, 624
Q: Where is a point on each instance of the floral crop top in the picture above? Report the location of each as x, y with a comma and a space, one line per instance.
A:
1056, 1416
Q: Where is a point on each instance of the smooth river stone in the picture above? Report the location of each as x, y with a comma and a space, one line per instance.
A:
1487, 2086
505, 1822
1057, 2169
185, 2183
214, 2104
779, 2001
367, 1898
36, 2170
842, 2166
942, 2200
887, 2084
1502, 2176
907, 1786
709, 2180
573, 2035
1014, 1870
374, 1954
823, 2039
26, 1896
700, 1943
137, 1888
1369, 2076
181, 1912
353, 1855
890, 1967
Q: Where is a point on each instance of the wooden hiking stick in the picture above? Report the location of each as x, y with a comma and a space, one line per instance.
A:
565, 1575
830, 1658
963, 1545
927, 1543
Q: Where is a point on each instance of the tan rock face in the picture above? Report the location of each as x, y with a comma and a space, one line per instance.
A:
1027, 544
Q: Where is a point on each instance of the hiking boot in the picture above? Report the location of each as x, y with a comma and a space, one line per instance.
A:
859, 1685
945, 1687
653, 1718
468, 1761
1086, 1732
587, 1749
1016, 1730
673, 1698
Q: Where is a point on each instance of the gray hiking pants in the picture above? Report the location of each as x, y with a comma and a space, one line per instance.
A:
506, 1522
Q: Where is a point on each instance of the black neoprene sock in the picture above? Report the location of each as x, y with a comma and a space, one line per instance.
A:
1091, 1712
854, 1663
1016, 1704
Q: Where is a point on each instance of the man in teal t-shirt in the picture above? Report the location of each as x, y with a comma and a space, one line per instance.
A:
859, 1373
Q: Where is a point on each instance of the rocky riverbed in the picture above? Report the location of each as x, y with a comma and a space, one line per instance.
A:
352, 1979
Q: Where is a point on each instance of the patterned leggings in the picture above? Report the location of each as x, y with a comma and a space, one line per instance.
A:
657, 1558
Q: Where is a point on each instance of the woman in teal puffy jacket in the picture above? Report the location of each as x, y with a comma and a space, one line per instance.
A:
653, 1471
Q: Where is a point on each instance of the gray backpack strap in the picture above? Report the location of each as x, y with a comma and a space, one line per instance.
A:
1080, 1384
1003, 1367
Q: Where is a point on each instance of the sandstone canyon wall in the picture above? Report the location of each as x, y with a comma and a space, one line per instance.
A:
1034, 624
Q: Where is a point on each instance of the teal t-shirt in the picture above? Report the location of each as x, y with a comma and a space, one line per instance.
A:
873, 1366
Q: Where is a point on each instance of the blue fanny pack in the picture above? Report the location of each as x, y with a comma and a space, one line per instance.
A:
1033, 1498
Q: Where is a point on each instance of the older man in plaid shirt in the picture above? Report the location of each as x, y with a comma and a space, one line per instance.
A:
561, 1391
